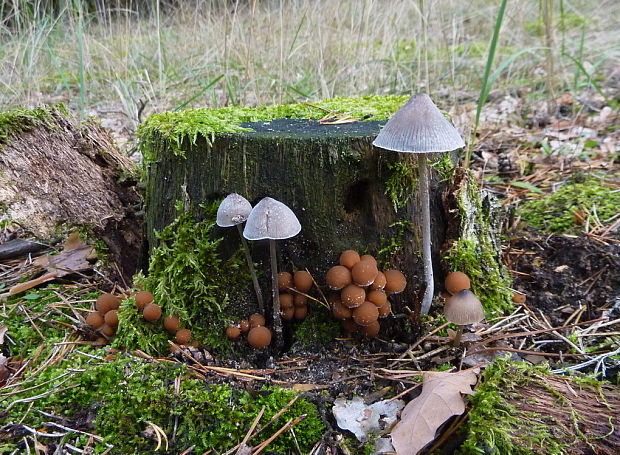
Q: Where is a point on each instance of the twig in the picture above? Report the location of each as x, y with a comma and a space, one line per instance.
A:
291, 423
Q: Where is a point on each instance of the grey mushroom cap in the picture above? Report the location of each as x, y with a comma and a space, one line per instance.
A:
233, 210
463, 308
419, 127
271, 219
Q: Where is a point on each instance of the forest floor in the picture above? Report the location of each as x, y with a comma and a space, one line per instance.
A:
555, 167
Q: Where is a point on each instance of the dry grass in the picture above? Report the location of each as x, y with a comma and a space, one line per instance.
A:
250, 52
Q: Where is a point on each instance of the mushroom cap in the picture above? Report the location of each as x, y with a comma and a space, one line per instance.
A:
285, 281
271, 219
233, 210
259, 337
366, 313
419, 127
256, 320
456, 282
302, 280
94, 319
349, 258
352, 296
300, 300
518, 297
286, 301
378, 297
463, 308
385, 310
368, 257
108, 330
111, 318
244, 325
349, 326
340, 311
183, 336
338, 277
287, 313
395, 281
379, 282
152, 312
172, 323
301, 312
143, 298
364, 272
371, 330
106, 302
233, 332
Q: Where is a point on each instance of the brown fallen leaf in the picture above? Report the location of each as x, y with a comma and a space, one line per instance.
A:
73, 258
440, 399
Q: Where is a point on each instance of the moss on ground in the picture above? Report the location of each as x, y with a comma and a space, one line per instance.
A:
557, 212
174, 128
127, 395
319, 328
189, 279
20, 120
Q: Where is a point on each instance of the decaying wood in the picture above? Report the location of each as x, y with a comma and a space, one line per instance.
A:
60, 174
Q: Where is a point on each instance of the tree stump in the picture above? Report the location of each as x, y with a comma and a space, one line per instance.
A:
331, 176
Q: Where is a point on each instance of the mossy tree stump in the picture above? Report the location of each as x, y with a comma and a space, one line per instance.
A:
330, 175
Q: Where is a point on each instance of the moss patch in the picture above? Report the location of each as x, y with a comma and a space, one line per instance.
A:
557, 211
173, 128
128, 394
189, 279
20, 120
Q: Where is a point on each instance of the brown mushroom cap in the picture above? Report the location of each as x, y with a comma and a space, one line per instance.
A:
101, 341
371, 330
288, 313
379, 282
256, 320
379, 298
364, 272
183, 336
300, 300
244, 325
302, 281
111, 318
518, 297
286, 301
94, 319
340, 311
108, 330
143, 298
152, 312
368, 257
338, 277
233, 332
385, 310
456, 281
349, 326
352, 296
395, 281
463, 308
259, 337
301, 312
106, 302
366, 313
285, 281
172, 323
349, 258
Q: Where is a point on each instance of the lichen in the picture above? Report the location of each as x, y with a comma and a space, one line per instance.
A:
20, 120
175, 128
561, 212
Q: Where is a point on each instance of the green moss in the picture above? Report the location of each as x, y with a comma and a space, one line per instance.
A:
20, 120
127, 394
555, 212
400, 186
392, 242
174, 128
477, 251
189, 279
318, 328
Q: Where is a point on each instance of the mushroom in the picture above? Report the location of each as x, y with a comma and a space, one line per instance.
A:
172, 323
143, 298
183, 336
95, 319
259, 337
463, 308
233, 211
152, 312
106, 302
456, 282
419, 127
273, 220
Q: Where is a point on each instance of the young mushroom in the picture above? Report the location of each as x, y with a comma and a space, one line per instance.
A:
273, 220
419, 127
463, 308
233, 211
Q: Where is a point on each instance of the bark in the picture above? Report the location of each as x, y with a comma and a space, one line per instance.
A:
60, 175
332, 178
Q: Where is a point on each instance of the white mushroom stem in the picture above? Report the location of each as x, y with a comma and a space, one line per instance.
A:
457, 337
277, 320
426, 234
248, 257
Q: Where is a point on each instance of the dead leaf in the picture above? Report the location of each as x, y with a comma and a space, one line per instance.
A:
364, 420
73, 258
440, 399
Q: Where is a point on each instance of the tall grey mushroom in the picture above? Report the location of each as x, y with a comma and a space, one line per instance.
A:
273, 220
419, 127
463, 308
233, 211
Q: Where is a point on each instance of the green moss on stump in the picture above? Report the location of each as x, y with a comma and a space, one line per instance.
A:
556, 212
20, 120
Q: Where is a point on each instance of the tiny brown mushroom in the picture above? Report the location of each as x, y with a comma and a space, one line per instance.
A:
108, 330
94, 319
349, 326
183, 336
300, 300
366, 313
244, 325
256, 320
301, 312
456, 282
364, 272
353, 296
259, 337
172, 323
233, 332
111, 318
371, 330
338, 277
349, 258
379, 298
379, 282
368, 257
518, 297
285, 281
143, 298
106, 302
385, 310
287, 313
152, 312
302, 280
340, 311
286, 301
395, 282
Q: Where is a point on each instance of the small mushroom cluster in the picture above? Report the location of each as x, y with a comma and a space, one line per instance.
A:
151, 312
360, 292
462, 307
105, 317
292, 287
258, 335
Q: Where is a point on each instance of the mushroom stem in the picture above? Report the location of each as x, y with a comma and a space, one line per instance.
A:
426, 234
457, 337
248, 257
277, 320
